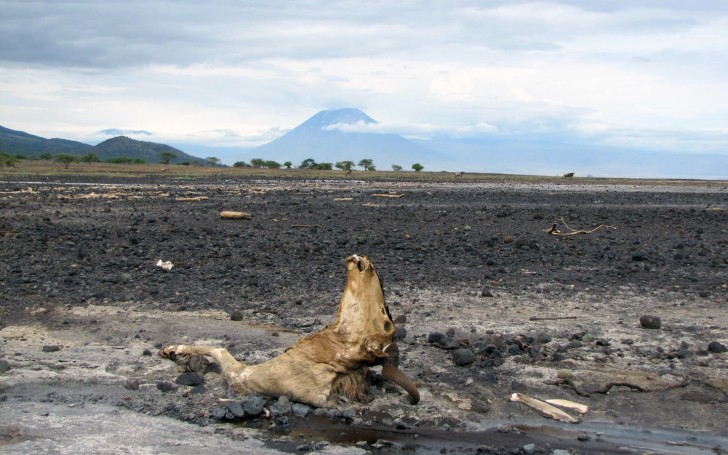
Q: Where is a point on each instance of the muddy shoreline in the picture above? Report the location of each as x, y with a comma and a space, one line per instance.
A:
487, 301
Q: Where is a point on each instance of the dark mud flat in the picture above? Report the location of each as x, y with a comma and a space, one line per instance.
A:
487, 302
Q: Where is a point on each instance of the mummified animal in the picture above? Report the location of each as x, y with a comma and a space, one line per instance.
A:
328, 365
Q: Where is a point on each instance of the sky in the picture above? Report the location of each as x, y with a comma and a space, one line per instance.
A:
642, 74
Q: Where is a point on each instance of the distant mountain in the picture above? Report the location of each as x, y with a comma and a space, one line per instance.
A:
324, 138
150, 152
20, 143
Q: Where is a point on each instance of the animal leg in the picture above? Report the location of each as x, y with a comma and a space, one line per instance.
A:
233, 372
391, 371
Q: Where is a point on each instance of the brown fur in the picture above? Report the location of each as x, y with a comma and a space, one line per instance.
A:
331, 363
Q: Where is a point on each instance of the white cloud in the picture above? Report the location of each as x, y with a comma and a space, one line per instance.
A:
235, 73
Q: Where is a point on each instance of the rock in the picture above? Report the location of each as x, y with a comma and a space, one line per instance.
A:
400, 333
442, 341
543, 338
165, 386
253, 405
529, 448
132, 384
717, 347
4, 366
190, 379
300, 410
236, 315
650, 322
486, 293
280, 407
51, 348
234, 410
463, 356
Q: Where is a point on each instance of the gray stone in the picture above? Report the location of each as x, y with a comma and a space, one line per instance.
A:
190, 379
300, 410
650, 322
717, 347
463, 356
253, 405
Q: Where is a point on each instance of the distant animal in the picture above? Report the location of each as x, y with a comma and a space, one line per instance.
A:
331, 364
348, 172
459, 175
568, 175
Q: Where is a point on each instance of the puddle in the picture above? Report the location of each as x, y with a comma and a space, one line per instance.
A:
585, 438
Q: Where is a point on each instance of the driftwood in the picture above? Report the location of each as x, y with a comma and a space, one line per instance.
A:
572, 232
327, 366
550, 318
192, 199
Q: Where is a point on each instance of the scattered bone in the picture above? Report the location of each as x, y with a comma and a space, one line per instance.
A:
544, 408
343, 198
192, 199
165, 265
228, 215
388, 195
571, 405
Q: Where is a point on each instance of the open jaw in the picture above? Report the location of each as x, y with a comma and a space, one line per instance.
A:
332, 363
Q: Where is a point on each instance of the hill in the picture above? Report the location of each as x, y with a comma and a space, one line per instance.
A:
15, 142
326, 138
150, 152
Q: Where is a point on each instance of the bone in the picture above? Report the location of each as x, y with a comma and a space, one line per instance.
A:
566, 404
544, 408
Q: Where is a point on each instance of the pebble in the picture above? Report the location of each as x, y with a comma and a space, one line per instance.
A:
650, 322
236, 315
463, 356
132, 384
280, 407
4, 366
717, 347
165, 386
51, 348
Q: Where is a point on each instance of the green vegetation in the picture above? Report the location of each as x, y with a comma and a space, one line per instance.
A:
367, 164
65, 159
7, 160
396, 168
417, 167
166, 157
308, 163
345, 165
90, 157
213, 160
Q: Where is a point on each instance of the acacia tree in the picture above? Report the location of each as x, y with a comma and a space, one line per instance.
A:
396, 167
90, 157
417, 167
166, 157
288, 164
345, 165
308, 163
213, 160
65, 159
367, 164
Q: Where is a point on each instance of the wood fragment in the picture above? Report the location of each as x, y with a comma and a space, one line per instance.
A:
302, 226
192, 199
343, 198
388, 195
550, 318
572, 231
228, 215
544, 408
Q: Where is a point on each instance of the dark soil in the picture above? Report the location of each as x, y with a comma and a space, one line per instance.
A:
487, 302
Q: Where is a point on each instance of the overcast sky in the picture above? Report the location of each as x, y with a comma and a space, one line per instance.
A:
642, 73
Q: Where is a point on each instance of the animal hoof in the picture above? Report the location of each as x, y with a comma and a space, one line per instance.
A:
169, 352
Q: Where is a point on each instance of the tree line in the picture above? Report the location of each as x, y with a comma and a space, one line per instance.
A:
366, 164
